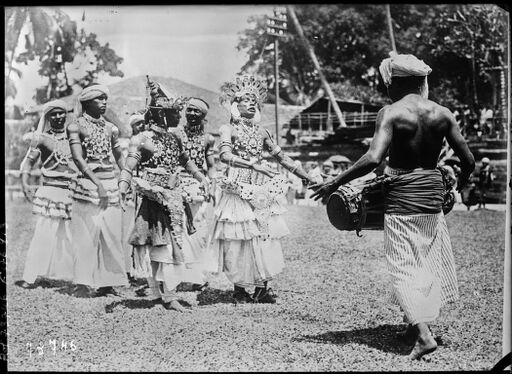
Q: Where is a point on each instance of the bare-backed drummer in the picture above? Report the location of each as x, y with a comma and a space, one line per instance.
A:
416, 239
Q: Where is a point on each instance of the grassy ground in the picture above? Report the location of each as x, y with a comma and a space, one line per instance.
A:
332, 312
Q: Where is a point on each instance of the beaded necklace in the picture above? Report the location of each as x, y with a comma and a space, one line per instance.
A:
250, 141
97, 142
166, 152
194, 145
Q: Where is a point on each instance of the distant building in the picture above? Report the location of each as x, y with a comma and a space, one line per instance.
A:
318, 122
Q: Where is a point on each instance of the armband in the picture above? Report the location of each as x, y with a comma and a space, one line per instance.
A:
128, 171
75, 141
33, 158
123, 179
135, 155
197, 173
275, 151
223, 151
225, 143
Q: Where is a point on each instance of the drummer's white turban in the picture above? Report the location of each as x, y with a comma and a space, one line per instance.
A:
402, 66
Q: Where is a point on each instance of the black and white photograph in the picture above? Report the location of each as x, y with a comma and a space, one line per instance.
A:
263, 187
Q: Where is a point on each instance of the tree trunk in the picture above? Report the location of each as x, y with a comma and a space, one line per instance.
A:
18, 32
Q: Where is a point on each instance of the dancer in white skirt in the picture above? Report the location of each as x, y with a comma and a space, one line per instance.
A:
248, 224
97, 230
199, 147
416, 239
158, 235
50, 254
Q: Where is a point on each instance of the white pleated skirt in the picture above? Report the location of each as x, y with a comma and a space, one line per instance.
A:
246, 249
50, 254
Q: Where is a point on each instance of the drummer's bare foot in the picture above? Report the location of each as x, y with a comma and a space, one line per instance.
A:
425, 342
175, 305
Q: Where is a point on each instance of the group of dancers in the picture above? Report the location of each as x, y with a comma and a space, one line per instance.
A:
170, 170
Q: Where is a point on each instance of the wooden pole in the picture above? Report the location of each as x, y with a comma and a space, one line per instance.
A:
390, 25
276, 72
507, 279
311, 53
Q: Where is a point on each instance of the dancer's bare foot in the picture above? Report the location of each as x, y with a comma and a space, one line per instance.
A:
104, 291
425, 343
25, 285
82, 291
175, 305
408, 336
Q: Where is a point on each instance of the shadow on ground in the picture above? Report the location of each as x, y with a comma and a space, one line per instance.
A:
132, 304
210, 296
63, 287
383, 338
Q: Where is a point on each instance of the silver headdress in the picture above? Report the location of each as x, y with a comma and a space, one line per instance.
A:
244, 85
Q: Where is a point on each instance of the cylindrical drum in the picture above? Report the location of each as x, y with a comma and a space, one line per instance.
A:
358, 207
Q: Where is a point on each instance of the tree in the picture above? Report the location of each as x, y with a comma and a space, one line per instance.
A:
54, 40
458, 41
346, 39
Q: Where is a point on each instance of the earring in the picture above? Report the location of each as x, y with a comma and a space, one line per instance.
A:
235, 113
257, 116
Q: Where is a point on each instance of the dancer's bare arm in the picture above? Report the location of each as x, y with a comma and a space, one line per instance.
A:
27, 164
131, 162
116, 147
210, 163
283, 159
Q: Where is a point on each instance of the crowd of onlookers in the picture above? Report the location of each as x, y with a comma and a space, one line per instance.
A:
475, 193
481, 122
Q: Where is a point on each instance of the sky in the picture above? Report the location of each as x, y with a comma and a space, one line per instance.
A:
193, 43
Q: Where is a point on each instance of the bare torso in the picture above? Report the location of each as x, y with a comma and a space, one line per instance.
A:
419, 127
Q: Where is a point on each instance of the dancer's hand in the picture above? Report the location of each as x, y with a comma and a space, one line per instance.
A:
264, 169
123, 190
26, 192
102, 194
122, 201
205, 185
211, 197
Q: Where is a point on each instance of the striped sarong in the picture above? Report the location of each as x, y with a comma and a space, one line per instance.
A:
417, 244
421, 264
